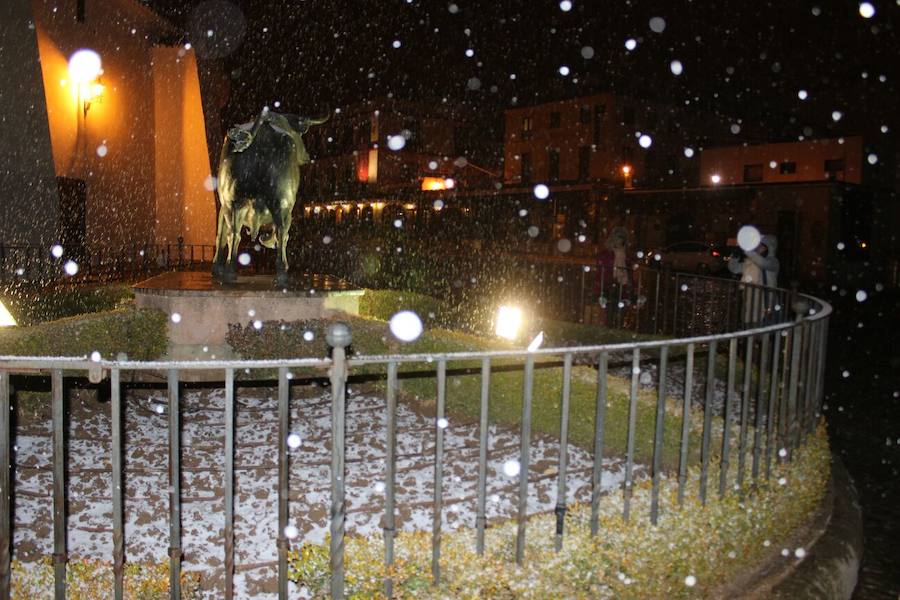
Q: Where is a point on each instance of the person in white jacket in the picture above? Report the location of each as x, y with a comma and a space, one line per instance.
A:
759, 268
763, 256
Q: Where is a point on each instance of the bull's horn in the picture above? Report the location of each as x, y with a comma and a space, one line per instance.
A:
318, 120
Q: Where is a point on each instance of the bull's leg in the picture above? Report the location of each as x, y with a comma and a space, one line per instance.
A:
282, 223
222, 246
237, 223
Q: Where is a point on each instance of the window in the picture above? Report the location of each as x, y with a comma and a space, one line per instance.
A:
584, 115
787, 167
414, 141
527, 128
834, 168
553, 164
753, 173
599, 114
584, 163
554, 120
526, 167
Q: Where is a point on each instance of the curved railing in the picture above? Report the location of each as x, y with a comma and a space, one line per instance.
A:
780, 350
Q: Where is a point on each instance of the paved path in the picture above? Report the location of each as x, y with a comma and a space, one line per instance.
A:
90, 510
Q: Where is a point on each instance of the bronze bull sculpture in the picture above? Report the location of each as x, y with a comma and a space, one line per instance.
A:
259, 173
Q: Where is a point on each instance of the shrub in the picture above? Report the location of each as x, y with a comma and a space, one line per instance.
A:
383, 304
139, 333
91, 579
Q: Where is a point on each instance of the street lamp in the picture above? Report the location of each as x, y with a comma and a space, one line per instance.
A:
626, 174
85, 68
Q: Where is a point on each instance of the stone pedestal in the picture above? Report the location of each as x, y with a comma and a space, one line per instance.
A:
204, 307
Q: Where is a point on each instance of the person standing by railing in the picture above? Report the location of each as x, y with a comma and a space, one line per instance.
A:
612, 285
758, 270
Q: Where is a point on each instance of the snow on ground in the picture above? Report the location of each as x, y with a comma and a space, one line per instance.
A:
146, 479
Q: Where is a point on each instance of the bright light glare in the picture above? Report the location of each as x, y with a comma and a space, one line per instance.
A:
406, 326
716, 178
84, 66
536, 342
6, 319
748, 238
509, 321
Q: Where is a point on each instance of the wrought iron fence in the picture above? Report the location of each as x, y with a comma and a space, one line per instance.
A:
785, 349
38, 264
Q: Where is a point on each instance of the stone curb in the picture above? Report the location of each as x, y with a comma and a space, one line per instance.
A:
831, 567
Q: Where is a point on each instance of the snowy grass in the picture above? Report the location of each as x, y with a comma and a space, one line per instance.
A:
691, 553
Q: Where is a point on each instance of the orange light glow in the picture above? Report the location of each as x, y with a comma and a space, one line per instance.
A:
626, 170
433, 184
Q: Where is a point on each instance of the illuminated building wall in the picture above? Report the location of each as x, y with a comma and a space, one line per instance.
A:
141, 149
837, 159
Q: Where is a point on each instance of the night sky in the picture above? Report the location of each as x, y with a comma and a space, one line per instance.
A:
744, 60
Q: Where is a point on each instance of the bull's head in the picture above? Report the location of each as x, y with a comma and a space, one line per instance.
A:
292, 125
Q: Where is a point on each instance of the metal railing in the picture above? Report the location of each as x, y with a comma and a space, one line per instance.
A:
37, 264
783, 363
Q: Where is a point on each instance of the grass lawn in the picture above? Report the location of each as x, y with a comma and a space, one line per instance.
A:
418, 383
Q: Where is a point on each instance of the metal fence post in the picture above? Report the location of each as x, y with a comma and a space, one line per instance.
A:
524, 454
5, 533
685, 422
480, 519
338, 337
658, 435
390, 476
632, 423
284, 424
229, 484
563, 452
599, 429
174, 488
60, 557
117, 486
726, 419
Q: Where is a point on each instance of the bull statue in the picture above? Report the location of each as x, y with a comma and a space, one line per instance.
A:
259, 173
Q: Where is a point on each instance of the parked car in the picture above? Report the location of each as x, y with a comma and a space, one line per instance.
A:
691, 257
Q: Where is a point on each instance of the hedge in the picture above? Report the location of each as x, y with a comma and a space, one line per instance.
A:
138, 333
40, 305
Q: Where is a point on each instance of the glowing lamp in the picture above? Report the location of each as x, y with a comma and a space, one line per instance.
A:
84, 66
626, 170
6, 319
715, 178
449, 183
94, 92
509, 321
433, 184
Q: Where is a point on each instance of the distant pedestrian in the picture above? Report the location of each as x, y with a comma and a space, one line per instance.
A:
612, 284
758, 269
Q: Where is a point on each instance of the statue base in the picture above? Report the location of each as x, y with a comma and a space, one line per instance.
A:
201, 308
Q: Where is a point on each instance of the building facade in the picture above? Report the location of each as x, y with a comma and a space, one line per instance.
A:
386, 148
122, 150
606, 137
836, 159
